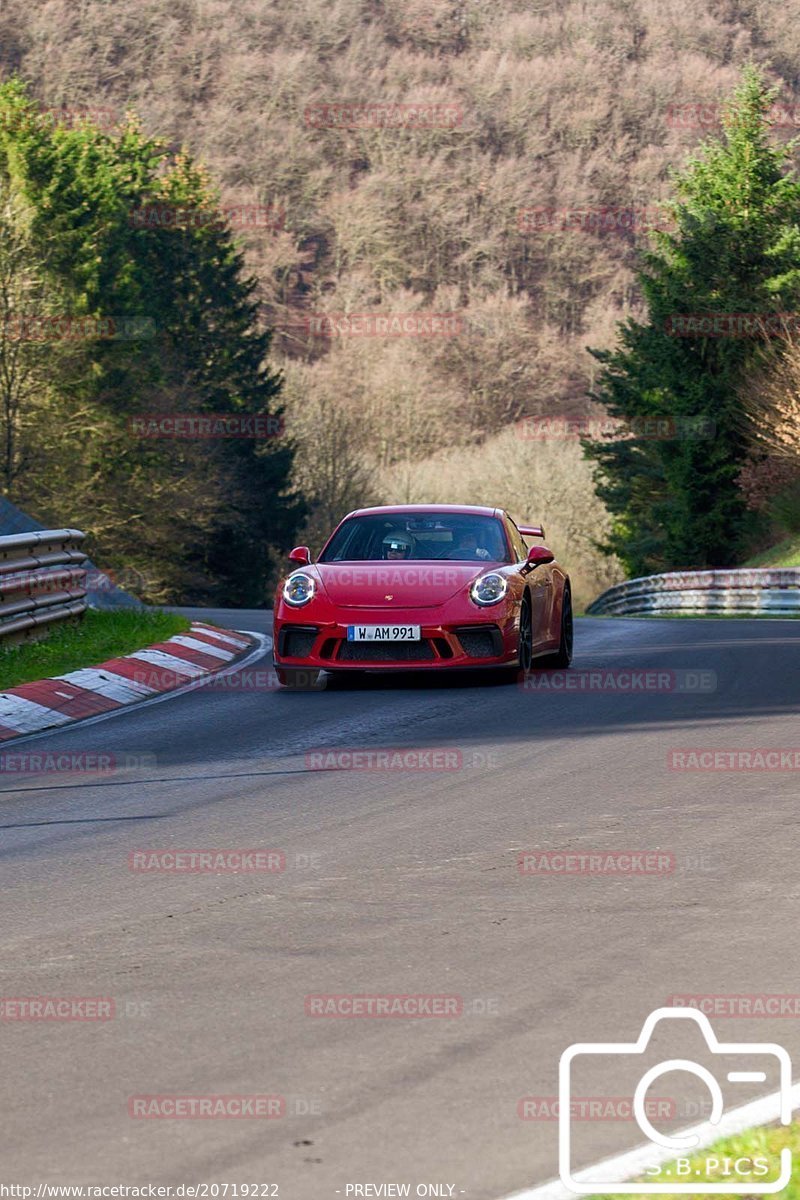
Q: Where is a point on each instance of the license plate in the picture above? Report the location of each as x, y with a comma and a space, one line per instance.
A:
383, 633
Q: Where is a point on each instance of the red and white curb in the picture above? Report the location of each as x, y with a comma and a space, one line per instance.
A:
92, 691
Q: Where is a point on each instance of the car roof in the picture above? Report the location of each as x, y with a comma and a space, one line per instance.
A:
394, 509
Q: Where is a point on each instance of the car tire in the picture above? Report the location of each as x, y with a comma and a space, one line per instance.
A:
525, 644
299, 679
563, 657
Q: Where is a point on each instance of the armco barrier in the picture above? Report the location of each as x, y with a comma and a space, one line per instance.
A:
769, 590
42, 579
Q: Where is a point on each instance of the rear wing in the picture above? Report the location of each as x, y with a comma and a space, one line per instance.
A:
531, 530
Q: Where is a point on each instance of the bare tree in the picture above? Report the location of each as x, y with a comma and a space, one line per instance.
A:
772, 401
331, 468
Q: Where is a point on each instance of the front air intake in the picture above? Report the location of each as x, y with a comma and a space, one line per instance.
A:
297, 641
388, 652
481, 641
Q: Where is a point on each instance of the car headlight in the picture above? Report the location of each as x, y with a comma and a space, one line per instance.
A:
298, 589
489, 589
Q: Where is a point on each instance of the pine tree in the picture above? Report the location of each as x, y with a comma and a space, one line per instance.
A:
669, 476
129, 234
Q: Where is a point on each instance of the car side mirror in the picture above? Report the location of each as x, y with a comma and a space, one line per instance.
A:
300, 555
538, 556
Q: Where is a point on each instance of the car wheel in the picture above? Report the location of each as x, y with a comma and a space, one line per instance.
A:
564, 656
298, 678
525, 651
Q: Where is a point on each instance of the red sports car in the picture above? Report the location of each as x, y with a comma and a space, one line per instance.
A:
422, 587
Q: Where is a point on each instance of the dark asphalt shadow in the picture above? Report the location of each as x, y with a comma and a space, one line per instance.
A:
756, 666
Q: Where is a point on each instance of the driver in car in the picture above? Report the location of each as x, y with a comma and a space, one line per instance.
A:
397, 546
467, 546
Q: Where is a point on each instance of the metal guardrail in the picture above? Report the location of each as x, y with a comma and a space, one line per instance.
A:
773, 591
42, 580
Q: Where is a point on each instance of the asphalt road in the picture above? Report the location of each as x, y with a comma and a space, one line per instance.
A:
398, 881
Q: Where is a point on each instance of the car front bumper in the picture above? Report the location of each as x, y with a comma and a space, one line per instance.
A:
323, 645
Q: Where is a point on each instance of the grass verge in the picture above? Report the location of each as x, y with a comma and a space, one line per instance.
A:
750, 1150
99, 636
784, 554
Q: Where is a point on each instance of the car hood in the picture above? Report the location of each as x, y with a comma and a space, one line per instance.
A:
393, 585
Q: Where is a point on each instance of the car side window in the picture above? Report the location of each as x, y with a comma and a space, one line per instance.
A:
517, 542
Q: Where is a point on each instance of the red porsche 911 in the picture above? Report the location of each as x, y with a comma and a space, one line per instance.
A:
422, 587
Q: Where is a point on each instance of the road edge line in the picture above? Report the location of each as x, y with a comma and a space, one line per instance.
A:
620, 1168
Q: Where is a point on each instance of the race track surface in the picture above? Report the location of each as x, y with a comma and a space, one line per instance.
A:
397, 881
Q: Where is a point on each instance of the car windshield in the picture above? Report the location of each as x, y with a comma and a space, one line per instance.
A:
461, 537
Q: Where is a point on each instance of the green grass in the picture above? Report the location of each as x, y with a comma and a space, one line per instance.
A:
766, 1142
99, 636
784, 554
